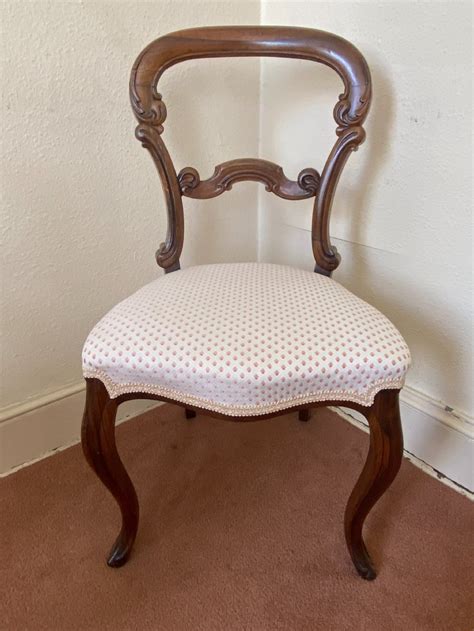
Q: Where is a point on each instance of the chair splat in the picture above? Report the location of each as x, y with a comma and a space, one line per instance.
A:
228, 173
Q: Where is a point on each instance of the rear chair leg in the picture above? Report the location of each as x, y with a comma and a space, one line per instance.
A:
381, 467
98, 444
304, 415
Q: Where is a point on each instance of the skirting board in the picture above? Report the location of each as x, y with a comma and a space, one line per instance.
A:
433, 434
33, 430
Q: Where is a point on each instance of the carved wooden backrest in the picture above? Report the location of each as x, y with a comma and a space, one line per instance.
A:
266, 41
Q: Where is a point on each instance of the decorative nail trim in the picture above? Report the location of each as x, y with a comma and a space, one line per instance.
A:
365, 399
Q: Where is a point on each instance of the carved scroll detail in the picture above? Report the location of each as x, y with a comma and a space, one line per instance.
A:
268, 173
167, 255
154, 114
308, 179
325, 254
351, 110
188, 179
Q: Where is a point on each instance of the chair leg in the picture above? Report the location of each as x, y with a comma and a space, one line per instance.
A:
381, 467
98, 444
304, 415
190, 413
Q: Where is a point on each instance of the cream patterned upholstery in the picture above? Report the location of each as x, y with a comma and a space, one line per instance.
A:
246, 339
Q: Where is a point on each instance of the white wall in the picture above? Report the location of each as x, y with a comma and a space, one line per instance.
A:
403, 212
82, 207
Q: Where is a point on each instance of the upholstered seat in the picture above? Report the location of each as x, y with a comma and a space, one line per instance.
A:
246, 339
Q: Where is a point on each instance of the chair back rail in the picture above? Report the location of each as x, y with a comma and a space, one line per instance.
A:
350, 112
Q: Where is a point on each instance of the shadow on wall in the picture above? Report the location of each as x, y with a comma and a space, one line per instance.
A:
355, 202
378, 276
381, 277
299, 131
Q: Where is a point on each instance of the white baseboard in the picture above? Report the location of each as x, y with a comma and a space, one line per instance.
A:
434, 434
35, 429
437, 438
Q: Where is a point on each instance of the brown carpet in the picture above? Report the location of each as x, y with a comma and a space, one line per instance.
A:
241, 529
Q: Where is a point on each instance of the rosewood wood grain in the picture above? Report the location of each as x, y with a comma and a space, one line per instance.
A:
245, 169
251, 41
383, 462
167, 255
100, 450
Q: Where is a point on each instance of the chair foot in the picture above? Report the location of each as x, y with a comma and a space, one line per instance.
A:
190, 413
362, 562
119, 553
304, 415
381, 467
98, 444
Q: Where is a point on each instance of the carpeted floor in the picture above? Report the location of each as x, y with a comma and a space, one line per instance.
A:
241, 529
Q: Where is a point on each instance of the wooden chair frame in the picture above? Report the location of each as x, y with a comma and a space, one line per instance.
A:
98, 427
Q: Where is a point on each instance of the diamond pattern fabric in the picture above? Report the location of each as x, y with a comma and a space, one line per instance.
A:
246, 339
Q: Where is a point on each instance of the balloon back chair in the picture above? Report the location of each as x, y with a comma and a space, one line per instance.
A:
247, 341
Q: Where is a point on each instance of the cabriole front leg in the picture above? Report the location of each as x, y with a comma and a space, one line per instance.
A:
98, 444
381, 467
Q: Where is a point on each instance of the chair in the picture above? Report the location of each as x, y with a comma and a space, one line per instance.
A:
247, 341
